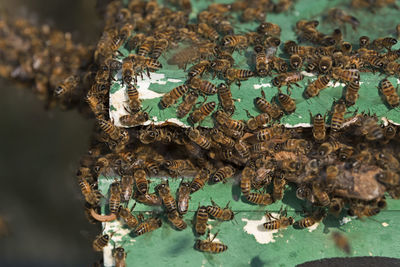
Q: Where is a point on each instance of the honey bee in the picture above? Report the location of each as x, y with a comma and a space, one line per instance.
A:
329, 147
127, 70
386, 160
345, 152
196, 137
245, 182
96, 106
177, 166
384, 42
269, 133
339, 16
202, 112
223, 173
316, 217
234, 41
281, 222
352, 93
295, 62
183, 197
220, 65
272, 109
92, 196
242, 148
346, 48
146, 47
337, 119
202, 86
225, 97
253, 13
100, 242
149, 199
142, 184
341, 242
172, 96
316, 86
268, 28
390, 93
319, 129
290, 165
207, 32
187, 104
279, 187
120, 257
159, 47
168, 200
134, 119
297, 145
371, 130
126, 214
389, 132
176, 220
67, 86
262, 178
388, 177
201, 220
126, 187
135, 104
115, 197
237, 75
199, 68
260, 199
281, 66
364, 42
287, 103
209, 246
348, 75
321, 196
258, 121
392, 68
224, 214
147, 226
199, 180
336, 206
222, 139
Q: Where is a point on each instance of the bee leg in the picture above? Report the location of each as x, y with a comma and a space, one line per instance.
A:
227, 204
213, 203
213, 236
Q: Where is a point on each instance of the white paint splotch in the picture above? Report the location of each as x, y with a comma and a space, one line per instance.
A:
256, 228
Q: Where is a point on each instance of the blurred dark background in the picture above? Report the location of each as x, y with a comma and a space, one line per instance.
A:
39, 156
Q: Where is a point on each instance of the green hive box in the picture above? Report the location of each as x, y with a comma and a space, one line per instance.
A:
248, 245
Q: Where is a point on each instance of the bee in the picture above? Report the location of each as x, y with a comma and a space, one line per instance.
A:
262, 61
177, 166
201, 220
126, 187
352, 93
392, 68
297, 145
142, 185
287, 79
279, 187
167, 199
325, 64
262, 178
279, 223
209, 246
348, 75
245, 182
260, 199
202, 112
199, 180
92, 196
196, 137
339, 109
146, 47
135, 104
389, 92
384, 42
387, 160
253, 13
149, 199
199, 68
320, 195
222, 139
234, 41
280, 66
172, 96
389, 132
371, 129
126, 214
339, 16
134, 119
100, 242
225, 28
67, 86
319, 129
316, 217
147, 226
264, 106
287, 103
220, 65
345, 152
346, 48
329, 147
316, 86
223, 173
224, 214
160, 46
187, 104
183, 197
207, 32
336, 205
176, 220
203, 86
295, 62
242, 148
96, 106
341, 242
268, 28
364, 42
269, 133
225, 98
127, 70
289, 165
238, 75
115, 197
258, 121
120, 257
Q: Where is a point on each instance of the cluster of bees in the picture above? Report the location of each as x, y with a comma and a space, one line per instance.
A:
325, 165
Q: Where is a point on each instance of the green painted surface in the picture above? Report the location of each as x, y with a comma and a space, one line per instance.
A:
372, 25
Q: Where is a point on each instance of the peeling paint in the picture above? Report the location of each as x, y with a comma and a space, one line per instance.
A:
256, 228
